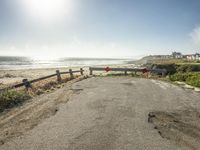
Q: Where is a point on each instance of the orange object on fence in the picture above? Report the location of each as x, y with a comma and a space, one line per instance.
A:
107, 69
144, 70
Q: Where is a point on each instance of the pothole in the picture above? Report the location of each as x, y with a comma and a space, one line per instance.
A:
181, 127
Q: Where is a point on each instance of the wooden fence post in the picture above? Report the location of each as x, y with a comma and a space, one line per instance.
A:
58, 76
71, 74
164, 71
27, 84
90, 71
125, 73
81, 71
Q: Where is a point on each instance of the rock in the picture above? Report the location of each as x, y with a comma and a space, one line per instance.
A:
189, 86
197, 89
179, 83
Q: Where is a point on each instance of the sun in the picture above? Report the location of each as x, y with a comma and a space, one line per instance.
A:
46, 10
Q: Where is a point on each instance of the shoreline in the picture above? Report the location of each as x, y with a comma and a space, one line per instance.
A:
62, 67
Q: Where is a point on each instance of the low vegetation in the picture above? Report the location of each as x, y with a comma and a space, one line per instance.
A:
48, 86
184, 72
188, 68
194, 81
190, 78
176, 68
180, 71
11, 98
122, 74
172, 61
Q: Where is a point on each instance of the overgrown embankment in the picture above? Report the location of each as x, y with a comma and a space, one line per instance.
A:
189, 78
188, 73
14, 97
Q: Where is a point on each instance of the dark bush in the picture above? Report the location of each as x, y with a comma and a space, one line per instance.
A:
188, 68
174, 68
171, 68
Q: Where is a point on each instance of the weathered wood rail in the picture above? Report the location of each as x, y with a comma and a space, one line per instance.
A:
27, 83
126, 70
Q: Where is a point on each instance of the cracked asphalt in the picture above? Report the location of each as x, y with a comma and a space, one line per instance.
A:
108, 113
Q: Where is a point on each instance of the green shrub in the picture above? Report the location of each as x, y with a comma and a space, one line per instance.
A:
11, 98
193, 80
190, 78
180, 77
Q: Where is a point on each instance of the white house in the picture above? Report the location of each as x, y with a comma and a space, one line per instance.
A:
177, 55
194, 57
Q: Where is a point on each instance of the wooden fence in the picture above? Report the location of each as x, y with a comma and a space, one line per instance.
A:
126, 70
27, 83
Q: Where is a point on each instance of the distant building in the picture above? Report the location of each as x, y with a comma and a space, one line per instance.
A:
177, 55
160, 56
193, 57
189, 57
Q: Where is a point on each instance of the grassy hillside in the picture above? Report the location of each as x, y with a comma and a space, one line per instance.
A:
178, 70
190, 78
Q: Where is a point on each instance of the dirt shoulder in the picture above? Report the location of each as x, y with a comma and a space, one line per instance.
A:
18, 120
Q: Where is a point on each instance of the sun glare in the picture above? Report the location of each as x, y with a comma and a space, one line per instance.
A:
46, 10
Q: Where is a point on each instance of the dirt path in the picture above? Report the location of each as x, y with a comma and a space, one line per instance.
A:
109, 114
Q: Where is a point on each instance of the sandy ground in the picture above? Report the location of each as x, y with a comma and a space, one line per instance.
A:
10, 77
107, 113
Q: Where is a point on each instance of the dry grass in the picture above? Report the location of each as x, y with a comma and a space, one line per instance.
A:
12, 98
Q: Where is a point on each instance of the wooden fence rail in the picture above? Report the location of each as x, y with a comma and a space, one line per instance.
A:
27, 83
125, 70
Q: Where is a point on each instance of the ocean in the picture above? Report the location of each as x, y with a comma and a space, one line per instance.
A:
16, 63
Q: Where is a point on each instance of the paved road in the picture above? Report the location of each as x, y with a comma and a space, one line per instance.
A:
107, 114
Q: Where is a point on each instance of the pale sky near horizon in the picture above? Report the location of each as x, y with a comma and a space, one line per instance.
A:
98, 28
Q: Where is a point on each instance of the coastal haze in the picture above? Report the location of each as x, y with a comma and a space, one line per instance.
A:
17, 63
94, 28
99, 74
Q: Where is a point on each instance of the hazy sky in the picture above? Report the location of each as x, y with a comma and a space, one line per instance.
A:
99, 28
